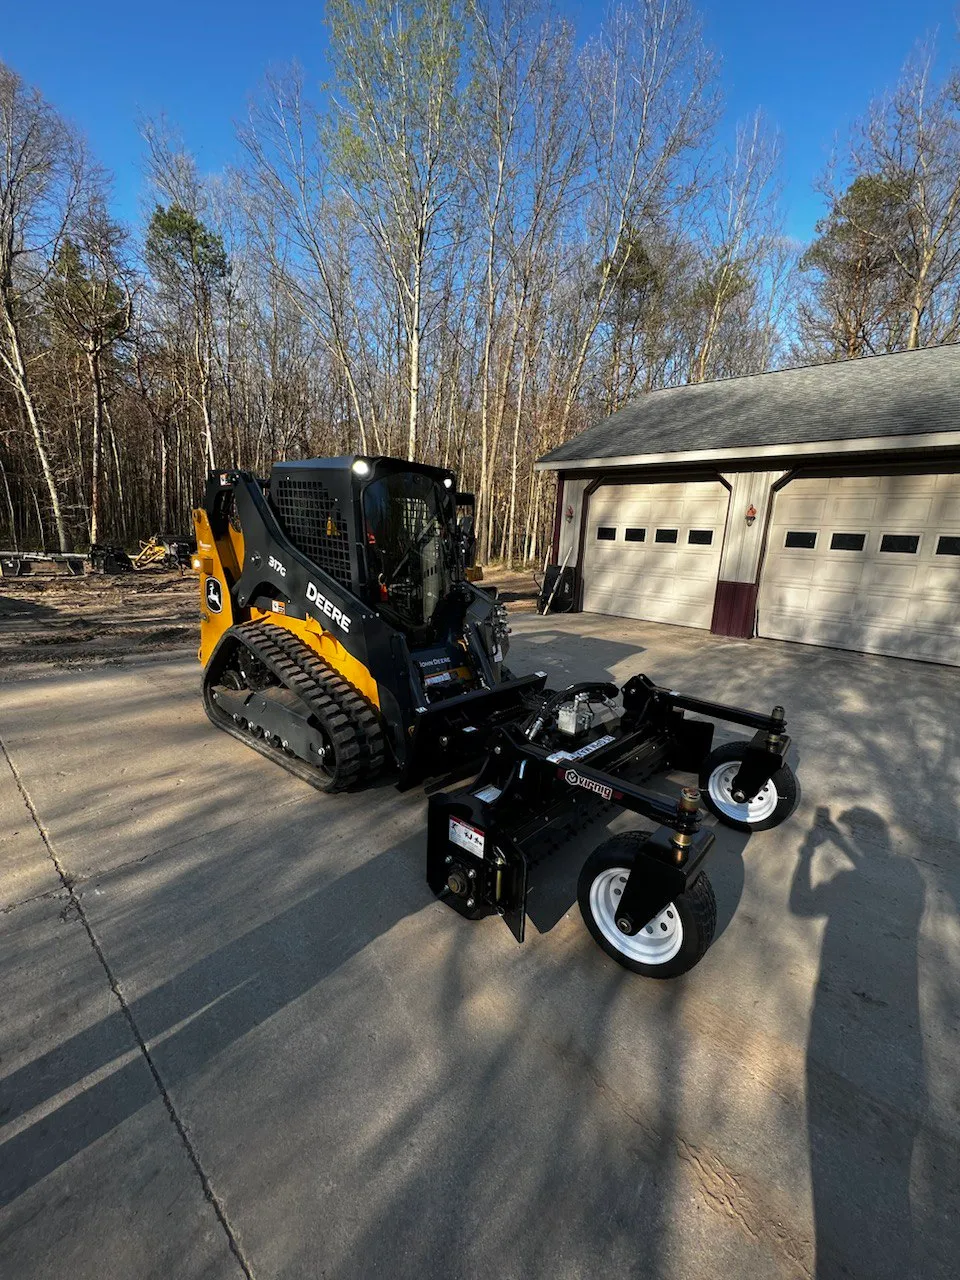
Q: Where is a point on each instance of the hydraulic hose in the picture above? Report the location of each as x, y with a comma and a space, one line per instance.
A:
601, 689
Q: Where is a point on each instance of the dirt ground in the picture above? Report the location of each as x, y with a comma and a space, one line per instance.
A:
72, 622
65, 622
518, 589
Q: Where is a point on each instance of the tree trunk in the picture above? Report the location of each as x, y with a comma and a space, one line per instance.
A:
163, 481
13, 517
414, 363
511, 518
93, 360
917, 308
121, 503
203, 374
13, 359
41, 533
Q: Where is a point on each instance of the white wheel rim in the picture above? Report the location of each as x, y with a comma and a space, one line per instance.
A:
656, 943
720, 791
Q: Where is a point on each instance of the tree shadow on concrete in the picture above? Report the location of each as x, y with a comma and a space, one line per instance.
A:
381, 1085
197, 1014
446, 1132
21, 606
866, 1088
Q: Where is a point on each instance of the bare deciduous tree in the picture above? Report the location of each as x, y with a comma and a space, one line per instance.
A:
41, 177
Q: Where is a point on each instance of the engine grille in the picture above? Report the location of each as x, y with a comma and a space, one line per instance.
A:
313, 522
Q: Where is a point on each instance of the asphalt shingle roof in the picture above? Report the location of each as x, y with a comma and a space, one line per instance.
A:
907, 393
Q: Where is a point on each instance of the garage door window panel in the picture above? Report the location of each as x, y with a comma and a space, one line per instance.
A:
667, 535
947, 545
900, 543
800, 540
700, 537
606, 534
848, 541
635, 535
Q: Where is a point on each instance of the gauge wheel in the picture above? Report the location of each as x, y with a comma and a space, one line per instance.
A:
772, 804
670, 944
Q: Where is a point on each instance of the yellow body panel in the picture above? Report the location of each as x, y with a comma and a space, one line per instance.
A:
208, 564
326, 644
223, 560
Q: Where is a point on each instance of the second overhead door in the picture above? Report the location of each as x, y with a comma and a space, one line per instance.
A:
652, 551
869, 563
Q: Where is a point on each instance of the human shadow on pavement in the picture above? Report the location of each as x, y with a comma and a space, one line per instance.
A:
866, 1090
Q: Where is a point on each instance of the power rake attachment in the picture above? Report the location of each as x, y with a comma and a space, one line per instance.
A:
342, 639
645, 898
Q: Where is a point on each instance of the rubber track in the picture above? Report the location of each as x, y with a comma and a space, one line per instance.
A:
350, 701
347, 716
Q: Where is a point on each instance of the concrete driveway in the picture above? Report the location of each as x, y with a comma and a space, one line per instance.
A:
239, 1037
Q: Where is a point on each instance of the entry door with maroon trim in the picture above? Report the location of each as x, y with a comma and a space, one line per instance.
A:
652, 551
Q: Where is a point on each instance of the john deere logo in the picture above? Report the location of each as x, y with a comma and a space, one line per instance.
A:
214, 595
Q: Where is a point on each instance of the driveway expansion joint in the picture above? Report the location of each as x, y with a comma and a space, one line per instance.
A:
74, 909
48, 896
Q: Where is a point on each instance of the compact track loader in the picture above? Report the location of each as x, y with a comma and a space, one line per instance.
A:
341, 638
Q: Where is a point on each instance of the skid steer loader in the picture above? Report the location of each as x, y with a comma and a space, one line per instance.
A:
340, 638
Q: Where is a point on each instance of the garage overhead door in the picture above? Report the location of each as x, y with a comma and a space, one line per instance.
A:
653, 551
869, 563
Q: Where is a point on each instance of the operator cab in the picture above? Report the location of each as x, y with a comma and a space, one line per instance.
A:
413, 557
387, 532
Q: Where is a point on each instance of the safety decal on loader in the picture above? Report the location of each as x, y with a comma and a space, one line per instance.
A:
467, 837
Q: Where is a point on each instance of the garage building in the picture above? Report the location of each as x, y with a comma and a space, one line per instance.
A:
819, 505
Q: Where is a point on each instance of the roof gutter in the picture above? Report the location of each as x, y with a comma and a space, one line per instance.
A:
872, 444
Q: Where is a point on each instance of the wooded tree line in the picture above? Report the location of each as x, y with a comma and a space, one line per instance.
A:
482, 236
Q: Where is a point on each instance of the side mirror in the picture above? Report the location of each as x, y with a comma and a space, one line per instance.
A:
468, 541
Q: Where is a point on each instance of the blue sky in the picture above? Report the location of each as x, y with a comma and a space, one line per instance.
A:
811, 66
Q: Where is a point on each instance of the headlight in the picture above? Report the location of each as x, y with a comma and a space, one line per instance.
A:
361, 467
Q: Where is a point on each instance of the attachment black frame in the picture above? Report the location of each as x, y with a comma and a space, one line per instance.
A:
478, 859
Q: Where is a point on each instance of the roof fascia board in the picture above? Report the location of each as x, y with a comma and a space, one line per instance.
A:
871, 444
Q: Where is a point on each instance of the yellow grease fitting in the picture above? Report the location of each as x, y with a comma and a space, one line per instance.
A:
326, 644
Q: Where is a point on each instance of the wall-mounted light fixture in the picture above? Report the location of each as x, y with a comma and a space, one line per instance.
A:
569, 513
751, 514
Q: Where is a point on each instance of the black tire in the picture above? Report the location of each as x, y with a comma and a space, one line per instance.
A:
780, 797
685, 928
